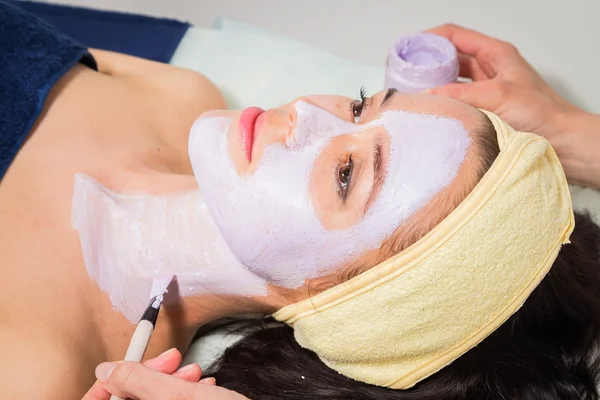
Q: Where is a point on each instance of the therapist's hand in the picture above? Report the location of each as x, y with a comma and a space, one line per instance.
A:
138, 381
506, 84
157, 379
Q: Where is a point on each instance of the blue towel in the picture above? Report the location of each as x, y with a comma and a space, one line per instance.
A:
146, 37
33, 56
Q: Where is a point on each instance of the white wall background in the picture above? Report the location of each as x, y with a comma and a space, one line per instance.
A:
560, 38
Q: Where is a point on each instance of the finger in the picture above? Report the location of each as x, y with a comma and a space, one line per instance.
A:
470, 68
491, 54
483, 94
167, 362
208, 381
134, 380
97, 392
466, 40
190, 373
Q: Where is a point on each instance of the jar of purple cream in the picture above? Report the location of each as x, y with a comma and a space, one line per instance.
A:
419, 62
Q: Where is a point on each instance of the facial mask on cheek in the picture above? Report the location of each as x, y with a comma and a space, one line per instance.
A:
267, 218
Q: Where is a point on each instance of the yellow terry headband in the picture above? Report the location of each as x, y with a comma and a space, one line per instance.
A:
406, 318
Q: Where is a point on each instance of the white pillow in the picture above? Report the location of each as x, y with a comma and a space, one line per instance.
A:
253, 67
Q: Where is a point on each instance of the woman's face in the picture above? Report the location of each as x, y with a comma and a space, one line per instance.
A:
320, 182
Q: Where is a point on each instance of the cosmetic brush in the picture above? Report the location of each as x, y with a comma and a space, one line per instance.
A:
143, 331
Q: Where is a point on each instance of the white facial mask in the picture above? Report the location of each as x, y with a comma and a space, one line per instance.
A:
127, 241
267, 219
243, 231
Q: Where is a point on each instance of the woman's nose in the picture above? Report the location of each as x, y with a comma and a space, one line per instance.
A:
281, 123
294, 138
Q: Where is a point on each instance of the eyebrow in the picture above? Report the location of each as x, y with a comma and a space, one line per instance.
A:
378, 172
388, 96
377, 159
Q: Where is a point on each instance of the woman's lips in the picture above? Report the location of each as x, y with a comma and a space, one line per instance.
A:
247, 128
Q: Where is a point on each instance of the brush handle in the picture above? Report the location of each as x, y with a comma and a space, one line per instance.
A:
139, 341
138, 344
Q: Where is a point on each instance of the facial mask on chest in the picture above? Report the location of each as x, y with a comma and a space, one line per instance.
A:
267, 218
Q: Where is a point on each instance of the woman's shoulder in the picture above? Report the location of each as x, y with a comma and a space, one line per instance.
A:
173, 97
182, 85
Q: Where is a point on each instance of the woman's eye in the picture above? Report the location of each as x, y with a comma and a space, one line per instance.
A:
345, 177
357, 108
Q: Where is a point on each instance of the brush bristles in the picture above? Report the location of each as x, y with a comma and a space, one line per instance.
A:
160, 285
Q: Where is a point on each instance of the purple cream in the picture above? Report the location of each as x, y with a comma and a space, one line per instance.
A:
420, 61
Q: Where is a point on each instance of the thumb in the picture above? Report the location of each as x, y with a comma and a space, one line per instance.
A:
488, 94
136, 381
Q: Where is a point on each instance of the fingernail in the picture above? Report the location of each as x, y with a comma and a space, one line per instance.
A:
104, 370
208, 381
166, 352
186, 368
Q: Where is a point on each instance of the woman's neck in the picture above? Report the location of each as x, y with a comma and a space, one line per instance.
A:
130, 239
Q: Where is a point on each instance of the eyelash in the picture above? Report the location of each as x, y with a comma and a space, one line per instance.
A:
357, 106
